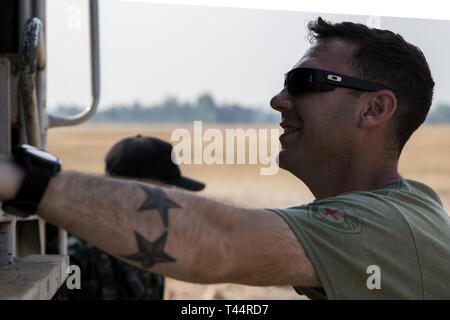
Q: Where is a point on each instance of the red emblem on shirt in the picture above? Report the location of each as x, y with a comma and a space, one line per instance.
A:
338, 219
330, 212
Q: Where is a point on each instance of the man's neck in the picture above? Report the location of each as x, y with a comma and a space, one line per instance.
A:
337, 180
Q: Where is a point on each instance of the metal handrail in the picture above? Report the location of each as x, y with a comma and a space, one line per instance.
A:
59, 121
31, 59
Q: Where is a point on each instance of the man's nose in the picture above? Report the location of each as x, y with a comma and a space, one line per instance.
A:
282, 101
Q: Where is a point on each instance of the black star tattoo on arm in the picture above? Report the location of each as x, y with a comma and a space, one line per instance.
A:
150, 252
157, 200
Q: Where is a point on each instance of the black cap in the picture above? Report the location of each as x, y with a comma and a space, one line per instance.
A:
147, 157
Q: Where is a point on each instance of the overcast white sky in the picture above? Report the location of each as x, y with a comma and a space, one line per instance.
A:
151, 51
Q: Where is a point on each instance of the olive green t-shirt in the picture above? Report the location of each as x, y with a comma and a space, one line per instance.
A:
389, 243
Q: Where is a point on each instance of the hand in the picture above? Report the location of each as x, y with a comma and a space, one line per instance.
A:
11, 176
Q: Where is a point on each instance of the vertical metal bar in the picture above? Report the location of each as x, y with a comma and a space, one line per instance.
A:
41, 79
95, 50
7, 226
41, 92
25, 12
62, 241
5, 106
7, 239
31, 59
41, 88
41, 231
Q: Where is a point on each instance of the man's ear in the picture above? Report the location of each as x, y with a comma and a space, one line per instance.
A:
378, 108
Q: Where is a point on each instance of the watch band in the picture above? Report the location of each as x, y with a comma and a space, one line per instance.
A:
38, 172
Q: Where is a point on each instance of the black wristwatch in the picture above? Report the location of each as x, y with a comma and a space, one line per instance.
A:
40, 167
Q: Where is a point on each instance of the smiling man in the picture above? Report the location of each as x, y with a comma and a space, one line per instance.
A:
348, 107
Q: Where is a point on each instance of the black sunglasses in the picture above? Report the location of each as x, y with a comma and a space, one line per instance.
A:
302, 80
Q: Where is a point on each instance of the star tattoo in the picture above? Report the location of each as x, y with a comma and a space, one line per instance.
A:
150, 252
157, 200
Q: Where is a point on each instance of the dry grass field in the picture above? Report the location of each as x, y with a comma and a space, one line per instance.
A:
83, 148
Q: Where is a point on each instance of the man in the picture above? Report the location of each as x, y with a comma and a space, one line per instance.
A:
105, 277
348, 107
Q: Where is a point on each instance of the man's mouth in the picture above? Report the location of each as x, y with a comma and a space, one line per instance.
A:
291, 129
290, 133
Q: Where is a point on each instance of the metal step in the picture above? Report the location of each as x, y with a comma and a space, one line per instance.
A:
36, 277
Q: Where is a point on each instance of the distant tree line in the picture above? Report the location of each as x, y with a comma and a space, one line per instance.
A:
172, 110
207, 110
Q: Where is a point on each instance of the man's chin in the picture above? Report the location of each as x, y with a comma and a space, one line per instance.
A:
287, 162
282, 159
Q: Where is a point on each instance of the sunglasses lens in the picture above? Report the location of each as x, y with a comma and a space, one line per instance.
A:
299, 81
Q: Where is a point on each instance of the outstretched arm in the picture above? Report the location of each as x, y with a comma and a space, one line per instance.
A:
177, 234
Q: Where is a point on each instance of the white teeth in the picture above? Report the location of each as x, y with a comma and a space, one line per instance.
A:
289, 130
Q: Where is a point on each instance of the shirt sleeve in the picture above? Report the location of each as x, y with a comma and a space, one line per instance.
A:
360, 249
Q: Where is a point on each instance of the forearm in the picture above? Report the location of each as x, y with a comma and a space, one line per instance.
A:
170, 232
163, 230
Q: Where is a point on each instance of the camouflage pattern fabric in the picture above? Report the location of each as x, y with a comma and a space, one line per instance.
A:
103, 277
